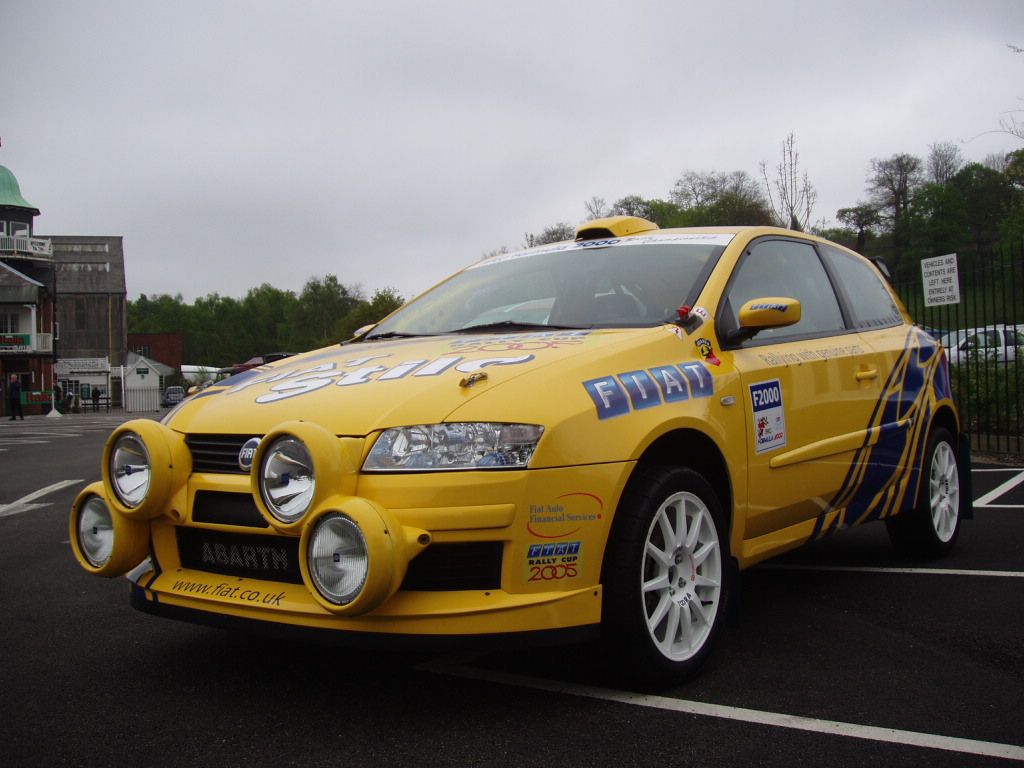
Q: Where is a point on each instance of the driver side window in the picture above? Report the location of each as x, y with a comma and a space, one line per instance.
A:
783, 268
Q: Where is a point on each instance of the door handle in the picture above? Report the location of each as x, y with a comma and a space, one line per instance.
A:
867, 375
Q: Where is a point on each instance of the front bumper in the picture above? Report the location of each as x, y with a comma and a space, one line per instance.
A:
477, 553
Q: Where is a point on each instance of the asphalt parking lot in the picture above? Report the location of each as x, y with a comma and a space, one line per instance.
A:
842, 653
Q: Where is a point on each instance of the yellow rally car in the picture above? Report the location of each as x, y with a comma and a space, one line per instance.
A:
585, 439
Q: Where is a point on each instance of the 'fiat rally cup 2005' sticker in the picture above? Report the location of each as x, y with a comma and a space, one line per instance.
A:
769, 416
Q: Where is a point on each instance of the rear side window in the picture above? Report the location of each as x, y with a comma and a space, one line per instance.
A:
868, 301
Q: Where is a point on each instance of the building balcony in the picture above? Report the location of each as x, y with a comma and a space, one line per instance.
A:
24, 247
26, 343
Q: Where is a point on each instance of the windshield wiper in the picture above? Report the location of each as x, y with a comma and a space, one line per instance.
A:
512, 325
392, 335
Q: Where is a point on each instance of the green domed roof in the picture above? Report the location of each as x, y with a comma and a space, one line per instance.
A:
10, 192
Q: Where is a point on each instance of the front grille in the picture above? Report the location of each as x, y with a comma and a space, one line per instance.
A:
271, 558
227, 509
448, 567
217, 453
439, 568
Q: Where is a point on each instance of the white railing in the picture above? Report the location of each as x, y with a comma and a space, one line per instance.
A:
33, 247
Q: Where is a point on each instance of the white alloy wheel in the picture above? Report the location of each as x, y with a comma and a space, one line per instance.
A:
681, 577
944, 491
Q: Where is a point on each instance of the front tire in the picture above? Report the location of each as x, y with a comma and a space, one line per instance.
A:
666, 577
930, 529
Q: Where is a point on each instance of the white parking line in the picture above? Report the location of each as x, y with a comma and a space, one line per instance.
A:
986, 500
872, 569
774, 719
25, 503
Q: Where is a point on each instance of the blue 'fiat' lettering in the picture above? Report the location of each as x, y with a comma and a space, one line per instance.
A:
635, 390
609, 397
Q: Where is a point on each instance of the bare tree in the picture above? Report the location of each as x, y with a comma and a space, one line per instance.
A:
793, 199
891, 184
632, 205
596, 207
697, 190
944, 161
694, 189
554, 233
997, 161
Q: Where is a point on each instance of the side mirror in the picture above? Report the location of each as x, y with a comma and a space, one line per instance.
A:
760, 314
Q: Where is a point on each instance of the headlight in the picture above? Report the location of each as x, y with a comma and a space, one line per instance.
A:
130, 469
95, 532
105, 542
338, 559
287, 480
473, 445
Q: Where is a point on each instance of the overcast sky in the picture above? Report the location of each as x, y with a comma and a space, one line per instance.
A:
391, 143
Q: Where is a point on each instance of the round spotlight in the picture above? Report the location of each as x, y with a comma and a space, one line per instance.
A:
95, 532
287, 479
338, 559
130, 469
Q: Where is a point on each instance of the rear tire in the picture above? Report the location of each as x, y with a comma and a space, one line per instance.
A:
930, 529
666, 577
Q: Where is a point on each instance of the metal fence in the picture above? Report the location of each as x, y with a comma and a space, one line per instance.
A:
983, 334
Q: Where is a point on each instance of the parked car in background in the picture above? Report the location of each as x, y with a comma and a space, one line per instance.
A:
172, 396
992, 343
586, 440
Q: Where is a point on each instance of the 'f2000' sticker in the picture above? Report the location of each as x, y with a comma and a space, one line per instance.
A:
769, 416
635, 390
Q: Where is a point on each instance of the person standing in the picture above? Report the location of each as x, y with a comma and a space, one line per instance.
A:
96, 399
14, 397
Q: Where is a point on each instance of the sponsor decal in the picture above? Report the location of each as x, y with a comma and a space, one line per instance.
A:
780, 308
565, 516
810, 355
707, 351
529, 342
637, 390
256, 558
230, 592
297, 381
581, 245
769, 416
554, 561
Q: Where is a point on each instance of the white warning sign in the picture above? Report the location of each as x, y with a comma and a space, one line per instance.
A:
941, 281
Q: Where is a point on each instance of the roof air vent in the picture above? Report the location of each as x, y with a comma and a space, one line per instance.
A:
614, 226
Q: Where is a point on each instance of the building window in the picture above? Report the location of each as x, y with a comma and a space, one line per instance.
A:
8, 322
143, 350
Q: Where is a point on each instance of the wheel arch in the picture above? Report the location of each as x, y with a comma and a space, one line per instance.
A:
692, 449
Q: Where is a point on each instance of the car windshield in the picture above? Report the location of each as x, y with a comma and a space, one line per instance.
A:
634, 282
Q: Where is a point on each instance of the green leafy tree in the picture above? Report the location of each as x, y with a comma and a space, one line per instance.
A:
988, 198
861, 218
937, 220
721, 199
383, 303
891, 185
321, 305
